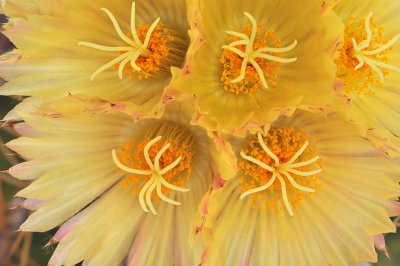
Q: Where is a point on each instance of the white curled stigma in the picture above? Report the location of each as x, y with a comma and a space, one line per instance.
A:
131, 52
362, 55
279, 170
156, 180
249, 55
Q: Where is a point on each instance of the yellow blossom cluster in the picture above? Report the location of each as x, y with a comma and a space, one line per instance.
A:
206, 132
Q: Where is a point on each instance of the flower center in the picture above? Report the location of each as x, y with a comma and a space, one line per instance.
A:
251, 59
148, 51
160, 54
279, 167
363, 58
155, 165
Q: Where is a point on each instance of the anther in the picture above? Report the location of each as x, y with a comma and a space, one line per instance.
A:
280, 170
249, 55
131, 52
362, 55
156, 180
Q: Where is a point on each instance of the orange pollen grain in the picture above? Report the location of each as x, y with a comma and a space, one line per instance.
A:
359, 81
284, 143
231, 63
131, 154
154, 61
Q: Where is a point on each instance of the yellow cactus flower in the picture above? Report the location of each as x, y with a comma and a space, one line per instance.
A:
311, 191
369, 68
109, 49
206, 132
113, 184
261, 59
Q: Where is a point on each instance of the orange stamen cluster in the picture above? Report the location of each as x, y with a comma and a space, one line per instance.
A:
231, 63
284, 143
131, 154
156, 61
359, 81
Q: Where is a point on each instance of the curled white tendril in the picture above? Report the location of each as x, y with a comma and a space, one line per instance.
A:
131, 52
156, 180
282, 169
362, 54
249, 55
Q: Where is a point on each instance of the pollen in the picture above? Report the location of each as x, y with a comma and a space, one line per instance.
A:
364, 57
148, 50
252, 58
155, 168
157, 61
279, 170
